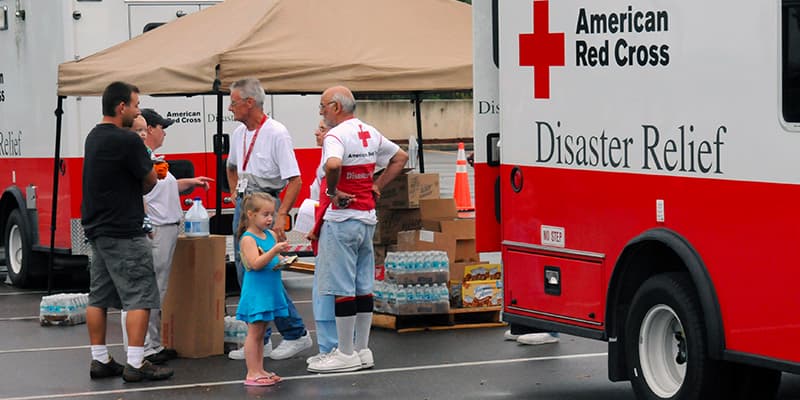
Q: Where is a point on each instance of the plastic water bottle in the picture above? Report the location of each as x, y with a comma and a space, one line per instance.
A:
196, 224
390, 262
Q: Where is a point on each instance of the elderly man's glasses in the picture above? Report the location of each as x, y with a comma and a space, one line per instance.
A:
322, 106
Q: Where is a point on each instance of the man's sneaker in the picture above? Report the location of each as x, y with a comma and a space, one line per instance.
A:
507, 335
162, 356
105, 370
148, 371
537, 338
317, 357
239, 353
289, 348
336, 362
365, 355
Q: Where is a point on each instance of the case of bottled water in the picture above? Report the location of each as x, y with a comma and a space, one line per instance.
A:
235, 333
63, 309
416, 282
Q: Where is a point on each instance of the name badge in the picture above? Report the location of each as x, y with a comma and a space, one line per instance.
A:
241, 186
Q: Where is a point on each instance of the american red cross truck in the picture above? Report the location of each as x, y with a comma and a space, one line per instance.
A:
636, 166
35, 37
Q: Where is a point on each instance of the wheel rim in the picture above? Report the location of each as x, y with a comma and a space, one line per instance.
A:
15, 249
662, 351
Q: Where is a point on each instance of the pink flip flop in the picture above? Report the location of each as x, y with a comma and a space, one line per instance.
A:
262, 381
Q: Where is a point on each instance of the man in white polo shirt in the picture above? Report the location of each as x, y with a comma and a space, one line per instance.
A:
261, 159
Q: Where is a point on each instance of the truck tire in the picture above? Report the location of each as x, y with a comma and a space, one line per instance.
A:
17, 241
665, 345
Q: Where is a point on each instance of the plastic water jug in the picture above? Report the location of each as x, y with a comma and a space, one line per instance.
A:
196, 224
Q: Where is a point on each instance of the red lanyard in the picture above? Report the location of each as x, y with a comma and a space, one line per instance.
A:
252, 142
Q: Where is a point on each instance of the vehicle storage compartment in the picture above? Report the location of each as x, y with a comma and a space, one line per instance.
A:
555, 288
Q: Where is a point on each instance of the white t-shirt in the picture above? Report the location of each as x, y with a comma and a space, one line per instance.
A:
272, 161
343, 142
163, 202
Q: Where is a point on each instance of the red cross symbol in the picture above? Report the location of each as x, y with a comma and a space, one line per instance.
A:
363, 135
541, 49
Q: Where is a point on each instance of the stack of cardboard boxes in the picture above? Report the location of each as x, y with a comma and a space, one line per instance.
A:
398, 209
412, 217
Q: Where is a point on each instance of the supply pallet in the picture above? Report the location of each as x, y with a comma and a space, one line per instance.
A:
457, 318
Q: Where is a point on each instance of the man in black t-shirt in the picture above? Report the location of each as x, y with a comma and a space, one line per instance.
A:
117, 171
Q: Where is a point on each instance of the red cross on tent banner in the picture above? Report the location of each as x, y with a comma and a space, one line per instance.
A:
363, 135
541, 49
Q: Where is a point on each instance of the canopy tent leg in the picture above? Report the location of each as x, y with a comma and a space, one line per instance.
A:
220, 148
417, 102
56, 168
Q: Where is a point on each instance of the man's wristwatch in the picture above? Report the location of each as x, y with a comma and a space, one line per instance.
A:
329, 194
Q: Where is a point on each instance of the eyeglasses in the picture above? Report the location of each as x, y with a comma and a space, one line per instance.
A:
235, 103
322, 106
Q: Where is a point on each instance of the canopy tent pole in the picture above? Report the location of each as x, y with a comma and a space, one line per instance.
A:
220, 148
56, 168
417, 101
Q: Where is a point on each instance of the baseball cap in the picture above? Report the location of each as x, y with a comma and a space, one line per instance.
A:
153, 118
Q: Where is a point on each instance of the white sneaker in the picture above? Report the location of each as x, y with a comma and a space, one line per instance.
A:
318, 357
367, 361
289, 348
238, 354
507, 335
336, 362
537, 338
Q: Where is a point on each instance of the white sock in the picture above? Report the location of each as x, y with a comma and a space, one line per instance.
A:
136, 356
363, 326
100, 353
345, 328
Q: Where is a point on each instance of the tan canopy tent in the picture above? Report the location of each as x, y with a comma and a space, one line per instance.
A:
292, 46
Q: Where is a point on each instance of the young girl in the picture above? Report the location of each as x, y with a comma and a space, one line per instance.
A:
262, 296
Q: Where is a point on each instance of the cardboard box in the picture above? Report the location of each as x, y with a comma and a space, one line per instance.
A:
433, 209
457, 270
407, 190
390, 222
192, 315
482, 272
487, 293
460, 229
457, 250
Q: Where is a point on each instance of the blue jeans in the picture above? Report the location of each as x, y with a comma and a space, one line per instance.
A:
291, 327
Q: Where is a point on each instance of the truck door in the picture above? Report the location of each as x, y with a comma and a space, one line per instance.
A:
487, 124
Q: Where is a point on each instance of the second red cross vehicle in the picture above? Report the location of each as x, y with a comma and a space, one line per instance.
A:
636, 165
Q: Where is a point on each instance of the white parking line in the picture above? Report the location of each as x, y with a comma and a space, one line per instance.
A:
53, 348
313, 376
19, 293
37, 317
11, 351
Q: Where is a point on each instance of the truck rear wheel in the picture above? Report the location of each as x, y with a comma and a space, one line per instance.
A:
665, 342
17, 241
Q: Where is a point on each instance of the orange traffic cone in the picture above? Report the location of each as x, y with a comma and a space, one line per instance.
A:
461, 189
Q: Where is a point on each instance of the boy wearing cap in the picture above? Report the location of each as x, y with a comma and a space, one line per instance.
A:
162, 206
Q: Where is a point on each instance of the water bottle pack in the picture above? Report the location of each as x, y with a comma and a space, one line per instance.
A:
392, 298
63, 309
235, 333
417, 267
196, 220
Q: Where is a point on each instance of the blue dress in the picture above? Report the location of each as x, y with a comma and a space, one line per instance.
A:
262, 297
